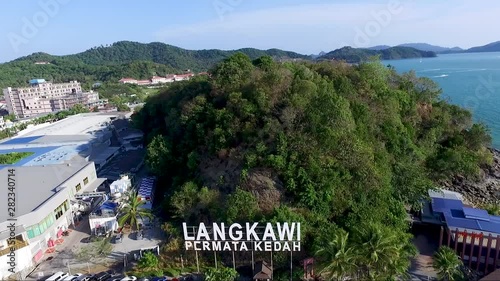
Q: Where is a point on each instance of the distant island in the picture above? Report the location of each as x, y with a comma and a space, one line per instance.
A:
491, 47
353, 55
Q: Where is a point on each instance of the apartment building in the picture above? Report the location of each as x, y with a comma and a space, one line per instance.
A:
45, 97
41, 218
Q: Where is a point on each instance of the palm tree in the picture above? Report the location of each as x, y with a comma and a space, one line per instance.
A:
337, 257
447, 264
385, 252
132, 210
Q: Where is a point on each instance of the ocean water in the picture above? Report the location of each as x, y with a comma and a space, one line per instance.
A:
469, 80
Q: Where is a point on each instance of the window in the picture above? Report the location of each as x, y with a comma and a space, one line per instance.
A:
78, 187
30, 232
86, 181
59, 211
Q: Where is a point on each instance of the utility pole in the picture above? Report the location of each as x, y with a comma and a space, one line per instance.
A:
291, 266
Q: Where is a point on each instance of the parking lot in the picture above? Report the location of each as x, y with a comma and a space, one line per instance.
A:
123, 163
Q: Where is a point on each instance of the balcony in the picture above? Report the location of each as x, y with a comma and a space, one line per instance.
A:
19, 245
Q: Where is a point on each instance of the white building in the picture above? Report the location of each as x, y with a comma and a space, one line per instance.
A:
42, 210
122, 185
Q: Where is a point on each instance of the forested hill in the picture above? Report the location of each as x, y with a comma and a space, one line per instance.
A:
355, 55
341, 148
121, 59
172, 56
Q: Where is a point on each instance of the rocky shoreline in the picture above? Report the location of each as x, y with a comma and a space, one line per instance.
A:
483, 191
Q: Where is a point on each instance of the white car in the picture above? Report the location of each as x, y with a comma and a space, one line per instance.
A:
72, 277
58, 276
84, 277
129, 278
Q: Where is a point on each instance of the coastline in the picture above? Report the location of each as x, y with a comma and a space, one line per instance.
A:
485, 190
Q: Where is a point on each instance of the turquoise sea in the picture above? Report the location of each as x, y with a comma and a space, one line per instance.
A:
468, 80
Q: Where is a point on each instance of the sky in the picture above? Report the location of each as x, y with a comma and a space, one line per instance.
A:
62, 27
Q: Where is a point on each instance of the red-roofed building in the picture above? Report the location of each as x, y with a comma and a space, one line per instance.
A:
182, 77
158, 79
128, 81
143, 82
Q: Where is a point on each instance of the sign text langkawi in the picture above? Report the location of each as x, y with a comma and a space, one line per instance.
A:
243, 237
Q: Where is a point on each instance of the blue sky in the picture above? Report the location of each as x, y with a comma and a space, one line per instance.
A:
69, 26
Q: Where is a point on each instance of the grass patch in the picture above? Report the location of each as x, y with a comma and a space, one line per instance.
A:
13, 157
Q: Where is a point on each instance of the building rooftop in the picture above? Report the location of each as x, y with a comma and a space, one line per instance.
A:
80, 124
456, 215
37, 184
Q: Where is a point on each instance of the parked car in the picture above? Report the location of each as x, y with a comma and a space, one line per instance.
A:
58, 276
102, 276
72, 277
85, 277
129, 278
116, 278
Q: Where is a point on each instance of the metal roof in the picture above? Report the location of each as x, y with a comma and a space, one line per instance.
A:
441, 205
478, 214
458, 216
24, 140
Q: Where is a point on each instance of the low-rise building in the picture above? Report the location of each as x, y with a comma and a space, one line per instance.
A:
122, 185
159, 79
82, 137
472, 232
42, 211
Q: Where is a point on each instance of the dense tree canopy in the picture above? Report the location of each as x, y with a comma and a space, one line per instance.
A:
119, 60
330, 145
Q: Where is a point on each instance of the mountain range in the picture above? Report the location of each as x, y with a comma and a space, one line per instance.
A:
492, 47
141, 61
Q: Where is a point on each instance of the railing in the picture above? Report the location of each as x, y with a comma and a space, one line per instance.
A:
18, 245
103, 215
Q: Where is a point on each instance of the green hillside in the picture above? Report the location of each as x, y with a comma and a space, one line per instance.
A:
342, 149
121, 59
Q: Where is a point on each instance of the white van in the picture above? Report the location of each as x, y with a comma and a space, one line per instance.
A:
57, 276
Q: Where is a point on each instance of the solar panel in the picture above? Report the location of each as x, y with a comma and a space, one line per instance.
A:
478, 214
489, 226
461, 223
441, 205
